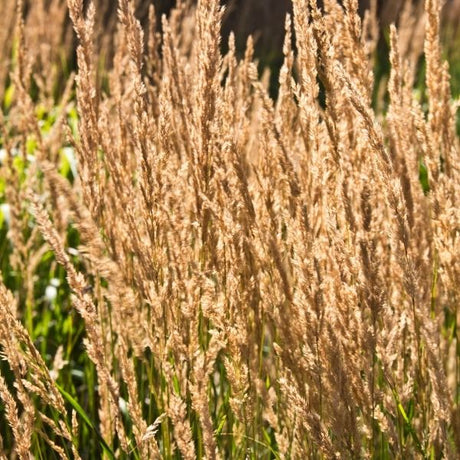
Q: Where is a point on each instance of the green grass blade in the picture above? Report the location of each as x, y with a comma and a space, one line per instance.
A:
74, 403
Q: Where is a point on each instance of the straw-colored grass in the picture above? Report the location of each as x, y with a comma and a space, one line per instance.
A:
194, 270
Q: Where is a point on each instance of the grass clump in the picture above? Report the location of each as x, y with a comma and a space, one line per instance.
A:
192, 269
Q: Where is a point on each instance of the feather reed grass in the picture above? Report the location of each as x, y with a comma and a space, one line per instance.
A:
192, 269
